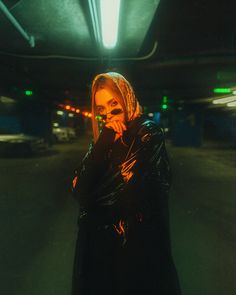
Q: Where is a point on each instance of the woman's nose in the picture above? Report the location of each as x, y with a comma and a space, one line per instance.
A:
109, 115
108, 112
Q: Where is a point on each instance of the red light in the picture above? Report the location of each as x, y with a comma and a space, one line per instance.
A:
67, 107
77, 111
73, 109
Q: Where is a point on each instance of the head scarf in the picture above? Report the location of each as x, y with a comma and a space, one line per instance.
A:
131, 105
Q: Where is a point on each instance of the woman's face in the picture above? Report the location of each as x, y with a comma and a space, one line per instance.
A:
107, 105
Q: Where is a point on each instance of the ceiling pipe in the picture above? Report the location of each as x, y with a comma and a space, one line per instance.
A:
94, 17
16, 24
193, 61
54, 56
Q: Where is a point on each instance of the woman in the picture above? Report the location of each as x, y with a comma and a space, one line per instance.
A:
122, 187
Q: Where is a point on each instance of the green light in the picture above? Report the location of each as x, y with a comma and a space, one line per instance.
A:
99, 118
164, 106
222, 90
28, 92
164, 99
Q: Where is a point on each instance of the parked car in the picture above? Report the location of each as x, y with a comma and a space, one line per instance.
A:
21, 144
60, 134
71, 132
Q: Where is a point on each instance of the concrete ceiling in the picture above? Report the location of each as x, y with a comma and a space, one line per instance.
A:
183, 48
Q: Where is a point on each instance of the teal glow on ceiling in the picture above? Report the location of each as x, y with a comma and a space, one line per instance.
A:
64, 28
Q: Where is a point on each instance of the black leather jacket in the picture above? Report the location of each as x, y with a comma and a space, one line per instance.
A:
117, 180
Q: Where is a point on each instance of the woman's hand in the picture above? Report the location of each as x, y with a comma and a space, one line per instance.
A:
118, 126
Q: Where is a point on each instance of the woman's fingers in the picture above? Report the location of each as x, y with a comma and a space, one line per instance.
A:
123, 126
110, 125
117, 126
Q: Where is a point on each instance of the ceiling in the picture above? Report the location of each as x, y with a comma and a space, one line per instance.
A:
182, 48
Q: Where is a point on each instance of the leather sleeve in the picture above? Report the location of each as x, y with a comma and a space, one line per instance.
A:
93, 167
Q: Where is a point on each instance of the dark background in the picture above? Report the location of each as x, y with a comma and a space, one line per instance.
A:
179, 49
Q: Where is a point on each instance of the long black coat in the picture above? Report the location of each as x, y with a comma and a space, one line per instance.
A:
123, 243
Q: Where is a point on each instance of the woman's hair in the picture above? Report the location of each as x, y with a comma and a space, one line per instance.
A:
124, 94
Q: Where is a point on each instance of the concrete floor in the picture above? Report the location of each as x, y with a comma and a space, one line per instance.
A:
38, 220
203, 219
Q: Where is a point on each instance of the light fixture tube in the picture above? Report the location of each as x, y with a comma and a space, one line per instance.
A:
224, 100
110, 10
231, 104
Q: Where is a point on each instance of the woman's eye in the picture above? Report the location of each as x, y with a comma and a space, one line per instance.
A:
114, 103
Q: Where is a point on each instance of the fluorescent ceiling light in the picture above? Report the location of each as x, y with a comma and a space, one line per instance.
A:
231, 104
224, 100
110, 10
5, 99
